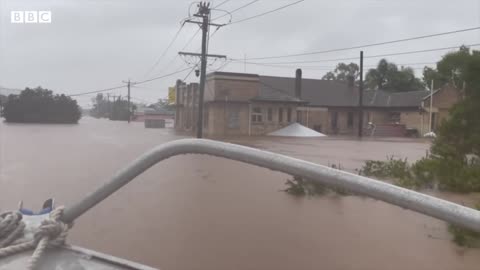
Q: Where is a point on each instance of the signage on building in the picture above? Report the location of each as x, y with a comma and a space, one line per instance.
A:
171, 95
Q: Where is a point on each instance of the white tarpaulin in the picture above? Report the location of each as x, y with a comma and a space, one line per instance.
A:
296, 130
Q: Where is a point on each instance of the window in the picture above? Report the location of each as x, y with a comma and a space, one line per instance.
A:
280, 115
257, 115
350, 120
289, 115
299, 117
269, 114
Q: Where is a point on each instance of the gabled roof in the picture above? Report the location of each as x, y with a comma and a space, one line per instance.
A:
381, 98
274, 89
330, 93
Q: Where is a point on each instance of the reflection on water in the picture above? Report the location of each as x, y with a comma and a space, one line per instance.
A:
197, 212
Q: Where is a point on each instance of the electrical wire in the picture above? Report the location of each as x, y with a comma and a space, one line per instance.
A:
184, 47
224, 65
219, 5
226, 13
268, 12
327, 67
164, 51
97, 91
188, 75
237, 9
369, 45
355, 58
162, 76
133, 84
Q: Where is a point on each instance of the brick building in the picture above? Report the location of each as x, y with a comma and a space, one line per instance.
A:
251, 104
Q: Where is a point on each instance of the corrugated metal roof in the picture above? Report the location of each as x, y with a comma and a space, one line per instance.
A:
329, 93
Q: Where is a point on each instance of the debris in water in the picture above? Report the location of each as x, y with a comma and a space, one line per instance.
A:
430, 134
296, 130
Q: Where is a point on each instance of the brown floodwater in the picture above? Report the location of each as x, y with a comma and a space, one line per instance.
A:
199, 212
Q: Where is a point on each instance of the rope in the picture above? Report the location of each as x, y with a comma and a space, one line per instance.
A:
51, 232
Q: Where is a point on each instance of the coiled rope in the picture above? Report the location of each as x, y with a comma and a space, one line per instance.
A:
51, 232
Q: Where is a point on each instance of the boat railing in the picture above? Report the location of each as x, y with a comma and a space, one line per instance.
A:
357, 184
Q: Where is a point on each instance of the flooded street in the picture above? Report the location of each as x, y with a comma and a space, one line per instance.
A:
199, 212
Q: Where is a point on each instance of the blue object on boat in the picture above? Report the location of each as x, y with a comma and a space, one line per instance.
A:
47, 207
29, 212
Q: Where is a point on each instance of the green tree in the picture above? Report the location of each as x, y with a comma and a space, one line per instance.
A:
456, 149
449, 69
387, 76
120, 111
431, 74
113, 110
101, 107
342, 72
40, 106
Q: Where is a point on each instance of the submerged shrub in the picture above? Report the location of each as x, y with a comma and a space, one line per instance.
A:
465, 237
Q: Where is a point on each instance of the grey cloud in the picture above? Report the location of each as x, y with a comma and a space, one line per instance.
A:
96, 44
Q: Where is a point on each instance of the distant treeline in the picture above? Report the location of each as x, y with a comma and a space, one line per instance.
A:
113, 110
40, 106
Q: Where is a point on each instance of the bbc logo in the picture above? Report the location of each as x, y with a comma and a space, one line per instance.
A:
31, 17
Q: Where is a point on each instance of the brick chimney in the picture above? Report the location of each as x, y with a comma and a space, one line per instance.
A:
298, 83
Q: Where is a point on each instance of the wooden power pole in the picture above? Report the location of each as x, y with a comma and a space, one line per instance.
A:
360, 99
128, 100
203, 13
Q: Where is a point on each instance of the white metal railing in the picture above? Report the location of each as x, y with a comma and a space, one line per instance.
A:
418, 202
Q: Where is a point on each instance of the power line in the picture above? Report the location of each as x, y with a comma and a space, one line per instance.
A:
268, 12
122, 86
190, 72
184, 47
237, 9
162, 76
165, 51
355, 58
369, 45
97, 91
191, 39
219, 5
223, 66
322, 67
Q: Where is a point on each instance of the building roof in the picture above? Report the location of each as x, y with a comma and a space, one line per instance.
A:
381, 98
274, 89
235, 74
330, 93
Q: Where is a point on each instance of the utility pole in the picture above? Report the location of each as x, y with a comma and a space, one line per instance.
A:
204, 13
431, 106
360, 99
128, 100
245, 63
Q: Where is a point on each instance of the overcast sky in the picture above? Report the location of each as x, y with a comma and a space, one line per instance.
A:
92, 45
